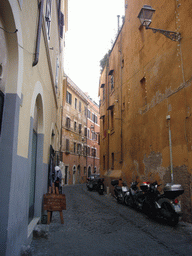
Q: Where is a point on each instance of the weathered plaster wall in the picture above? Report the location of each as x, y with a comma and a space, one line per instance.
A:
156, 82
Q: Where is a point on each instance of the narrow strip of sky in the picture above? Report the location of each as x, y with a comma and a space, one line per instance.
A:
92, 29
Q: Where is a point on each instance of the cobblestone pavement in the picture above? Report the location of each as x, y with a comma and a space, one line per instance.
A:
98, 225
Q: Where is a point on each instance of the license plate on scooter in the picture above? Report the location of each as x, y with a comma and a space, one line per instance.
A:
177, 207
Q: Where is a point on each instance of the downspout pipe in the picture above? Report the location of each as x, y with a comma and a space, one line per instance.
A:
38, 39
170, 147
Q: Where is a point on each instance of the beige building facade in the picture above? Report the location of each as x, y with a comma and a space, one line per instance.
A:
31, 71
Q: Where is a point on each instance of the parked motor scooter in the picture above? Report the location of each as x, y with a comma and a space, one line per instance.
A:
165, 205
100, 186
119, 191
134, 197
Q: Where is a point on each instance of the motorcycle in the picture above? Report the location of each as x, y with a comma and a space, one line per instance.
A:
165, 205
92, 182
119, 191
100, 186
134, 197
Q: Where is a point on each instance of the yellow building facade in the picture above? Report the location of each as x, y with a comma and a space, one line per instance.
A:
145, 93
31, 71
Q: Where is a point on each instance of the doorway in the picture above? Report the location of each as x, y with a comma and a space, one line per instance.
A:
66, 174
32, 177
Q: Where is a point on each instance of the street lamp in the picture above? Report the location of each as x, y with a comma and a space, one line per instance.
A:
145, 17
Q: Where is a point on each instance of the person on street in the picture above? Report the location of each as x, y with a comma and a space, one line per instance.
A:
58, 178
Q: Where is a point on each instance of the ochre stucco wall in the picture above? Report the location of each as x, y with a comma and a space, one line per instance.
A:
140, 110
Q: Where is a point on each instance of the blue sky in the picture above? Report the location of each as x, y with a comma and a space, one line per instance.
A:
92, 26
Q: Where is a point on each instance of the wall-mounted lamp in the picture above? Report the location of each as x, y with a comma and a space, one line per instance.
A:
145, 17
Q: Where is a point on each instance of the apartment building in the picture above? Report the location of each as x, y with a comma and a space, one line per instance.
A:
93, 137
80, 154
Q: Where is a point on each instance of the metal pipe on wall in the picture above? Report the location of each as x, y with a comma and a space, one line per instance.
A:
38, 39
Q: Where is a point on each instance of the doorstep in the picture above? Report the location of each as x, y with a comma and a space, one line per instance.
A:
31, 227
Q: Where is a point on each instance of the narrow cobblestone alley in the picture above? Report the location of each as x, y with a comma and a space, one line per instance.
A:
97, 225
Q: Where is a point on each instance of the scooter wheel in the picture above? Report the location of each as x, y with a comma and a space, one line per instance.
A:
169, 214
120, 199
128, 201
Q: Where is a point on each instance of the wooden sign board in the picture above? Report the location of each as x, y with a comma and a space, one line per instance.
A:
54, 202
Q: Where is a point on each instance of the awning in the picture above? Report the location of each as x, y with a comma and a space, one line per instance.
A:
110, 107
111, 72
116, 174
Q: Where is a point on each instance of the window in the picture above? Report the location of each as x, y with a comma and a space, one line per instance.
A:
85, 111
68, 122
93, 152
85, 131
1, 108
48, 18
80, 128
69, 98
67, 145
88, 151
143, 91
94, 118
79, 106
103, 162
84, 150
75, 125
112, 118
94, 136
88, 113
111, 80
75, 103
61, 23
103, 93
74, 147
79, 149
56, 74
112, 161
103, 123
88, 133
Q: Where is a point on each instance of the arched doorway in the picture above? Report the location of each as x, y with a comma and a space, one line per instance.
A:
79, 173
89, 171
74, 174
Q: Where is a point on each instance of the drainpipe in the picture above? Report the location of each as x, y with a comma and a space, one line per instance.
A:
121, 67
107, 92
170, 147
38, 39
